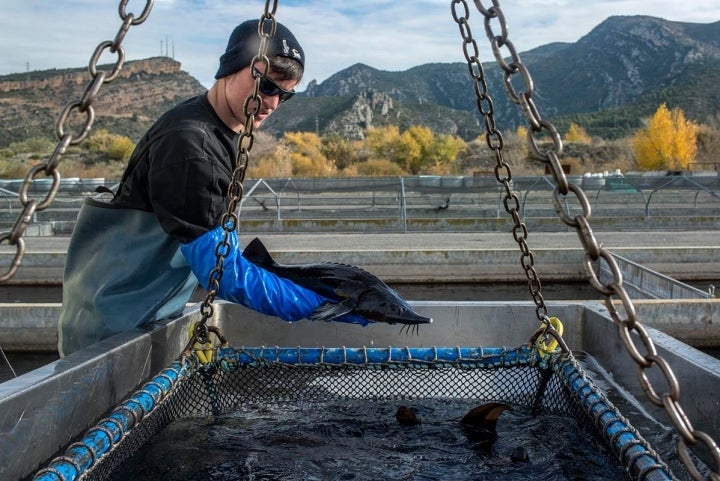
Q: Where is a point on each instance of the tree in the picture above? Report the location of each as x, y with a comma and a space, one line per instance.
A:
115, 147
384, 143
306, 155
416, 144
577, 134
708, 155
443, 154
341, 152
373, 167
668, 142
274, 164
416, 150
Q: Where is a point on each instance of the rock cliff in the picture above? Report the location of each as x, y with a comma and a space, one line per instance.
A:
30, 103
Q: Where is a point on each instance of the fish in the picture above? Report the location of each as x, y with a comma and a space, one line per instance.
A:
407, 416
354, 290
480, 424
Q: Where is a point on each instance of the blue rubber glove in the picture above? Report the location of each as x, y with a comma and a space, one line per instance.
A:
245, 283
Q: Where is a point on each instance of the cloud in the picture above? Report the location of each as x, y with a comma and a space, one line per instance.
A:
386, 35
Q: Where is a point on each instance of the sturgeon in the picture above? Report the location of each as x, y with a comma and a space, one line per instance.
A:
353, 289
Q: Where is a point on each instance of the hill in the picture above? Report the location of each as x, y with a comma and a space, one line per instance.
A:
30, 103
607, 81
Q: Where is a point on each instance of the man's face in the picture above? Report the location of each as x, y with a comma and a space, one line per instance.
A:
240, 85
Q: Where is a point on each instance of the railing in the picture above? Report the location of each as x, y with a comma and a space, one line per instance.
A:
434, 203
641, 282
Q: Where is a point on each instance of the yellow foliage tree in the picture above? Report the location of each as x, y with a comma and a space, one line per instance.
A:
342, 152
443, 153
417, 141
306, 156
275, 164
374, 167
116, 147
121, 148
416, 150
577, 134
384, 143
669, 141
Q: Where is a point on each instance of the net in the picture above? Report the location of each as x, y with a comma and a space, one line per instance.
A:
554, 383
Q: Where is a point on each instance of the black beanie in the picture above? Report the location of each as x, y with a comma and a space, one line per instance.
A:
245, 40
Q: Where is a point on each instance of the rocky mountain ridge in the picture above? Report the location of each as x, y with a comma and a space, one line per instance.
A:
607, 81
625, 67
143, 89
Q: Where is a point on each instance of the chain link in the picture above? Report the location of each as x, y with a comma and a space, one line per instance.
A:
494, 140
623, 314
82, 106
229, 220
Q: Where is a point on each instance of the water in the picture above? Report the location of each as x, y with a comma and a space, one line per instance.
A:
361, 440
356, 439
461, 291
23, 362
465, 291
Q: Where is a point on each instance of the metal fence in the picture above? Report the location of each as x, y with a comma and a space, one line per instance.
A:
434, 203
477, 203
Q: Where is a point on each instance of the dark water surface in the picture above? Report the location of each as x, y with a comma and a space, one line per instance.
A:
461, 291
464, 291
357, 439
361, 440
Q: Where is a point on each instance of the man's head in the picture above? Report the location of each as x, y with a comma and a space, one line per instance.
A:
236, 77
244, 43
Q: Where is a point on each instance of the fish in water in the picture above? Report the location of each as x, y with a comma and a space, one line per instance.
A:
353, 289
480, 424
406, 416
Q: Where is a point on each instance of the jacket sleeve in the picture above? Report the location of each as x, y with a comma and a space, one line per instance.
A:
245, 283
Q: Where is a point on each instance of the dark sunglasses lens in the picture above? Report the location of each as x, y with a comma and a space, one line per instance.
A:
268, 87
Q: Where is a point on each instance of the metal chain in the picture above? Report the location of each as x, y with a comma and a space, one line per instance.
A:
494, 140
229, 220
82, 106
626, 321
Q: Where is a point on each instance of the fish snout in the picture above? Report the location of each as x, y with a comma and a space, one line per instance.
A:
407, 416
417, 319
409, 316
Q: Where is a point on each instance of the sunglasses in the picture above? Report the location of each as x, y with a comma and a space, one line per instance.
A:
270, 88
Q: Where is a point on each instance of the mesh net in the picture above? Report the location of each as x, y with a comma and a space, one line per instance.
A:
553, 383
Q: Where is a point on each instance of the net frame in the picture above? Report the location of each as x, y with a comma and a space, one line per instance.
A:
554, 383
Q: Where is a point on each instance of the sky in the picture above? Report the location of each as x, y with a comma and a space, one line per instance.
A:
384, 34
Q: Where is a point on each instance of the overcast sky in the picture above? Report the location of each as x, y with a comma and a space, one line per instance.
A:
385, 34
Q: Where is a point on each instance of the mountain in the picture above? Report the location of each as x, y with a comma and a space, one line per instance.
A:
144, 89
607, 81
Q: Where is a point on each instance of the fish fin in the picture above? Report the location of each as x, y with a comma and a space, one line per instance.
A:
480, 423
328, 311
407, 416
257, 253
485, 415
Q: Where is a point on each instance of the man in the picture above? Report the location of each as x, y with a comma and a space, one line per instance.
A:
138, 258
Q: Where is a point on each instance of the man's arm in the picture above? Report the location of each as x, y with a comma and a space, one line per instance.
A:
245, 283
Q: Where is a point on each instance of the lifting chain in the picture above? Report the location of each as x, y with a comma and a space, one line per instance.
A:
626, 321
494, 140
229, 220
81, 106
